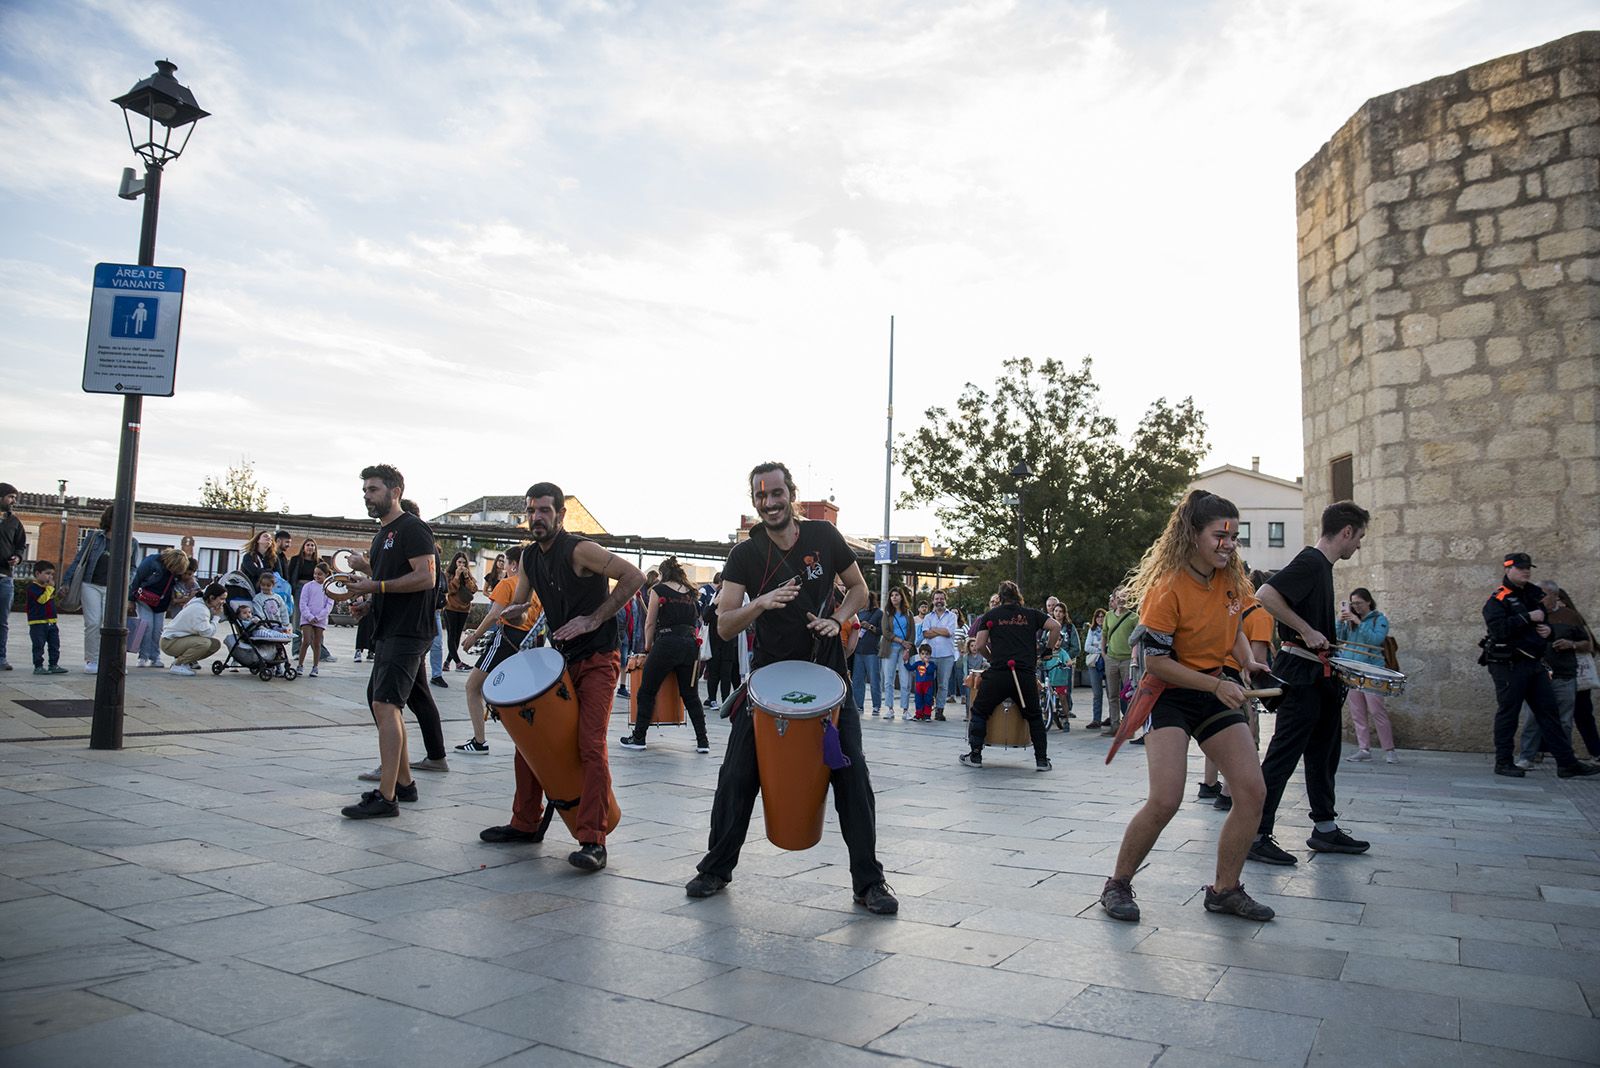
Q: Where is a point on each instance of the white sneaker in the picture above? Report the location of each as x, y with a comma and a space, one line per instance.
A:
1390, 757
1525, 765
91, 668
1359, 756
313, 672
711, 706
181, 669
889, 716
140, 663
157, 664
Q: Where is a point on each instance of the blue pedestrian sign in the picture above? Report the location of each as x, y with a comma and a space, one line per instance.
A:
885, 552
134, 315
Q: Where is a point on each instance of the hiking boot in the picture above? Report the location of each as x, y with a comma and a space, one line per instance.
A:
879, 899
1117, 900
1236, 902
405, 791
591, 857
972, 760
1267, 851
1208, 791
1578, 769
508, 833
430, 764
1510, 771
1223, 803
628, 741
371, 806
705, 885
1336, 841
473, 747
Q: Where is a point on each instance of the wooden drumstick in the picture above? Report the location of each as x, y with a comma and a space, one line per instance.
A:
1275, 691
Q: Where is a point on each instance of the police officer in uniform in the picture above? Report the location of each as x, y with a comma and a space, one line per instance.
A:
1514, 654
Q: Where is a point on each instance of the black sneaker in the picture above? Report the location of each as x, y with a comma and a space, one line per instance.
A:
509, 833
622, 691
1117, 900
1336, 841
1136, 741
628, 741
405, 791
1092, 725
1236, 902
438, 680
1223, 803
702, 747
372, 806
1578, 769
705, 885
473, 747
879, 899
1208, 791
938, 717
591, 857
1267, 852
1042, 764
972, 760
1510, 771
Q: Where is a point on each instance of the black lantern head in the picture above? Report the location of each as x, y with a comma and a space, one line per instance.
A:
1022, 472
164, 109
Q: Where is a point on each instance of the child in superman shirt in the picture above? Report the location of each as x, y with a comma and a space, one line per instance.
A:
923, 675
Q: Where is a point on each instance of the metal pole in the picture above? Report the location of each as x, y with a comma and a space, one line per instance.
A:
1019, 534
888, 471
106, 729
61, 552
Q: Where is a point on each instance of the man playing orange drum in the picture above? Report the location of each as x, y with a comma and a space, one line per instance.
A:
570, 574
788, 566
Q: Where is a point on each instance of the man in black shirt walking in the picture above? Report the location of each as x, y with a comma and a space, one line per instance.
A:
400, 570
788, 566
1300, 598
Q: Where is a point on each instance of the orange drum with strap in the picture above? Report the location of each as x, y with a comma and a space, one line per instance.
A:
788, 702
532, 696
669, 702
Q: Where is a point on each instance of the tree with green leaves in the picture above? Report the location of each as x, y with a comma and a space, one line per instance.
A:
1094, 502
236, 489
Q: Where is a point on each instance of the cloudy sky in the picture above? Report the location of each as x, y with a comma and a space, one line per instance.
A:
637, 247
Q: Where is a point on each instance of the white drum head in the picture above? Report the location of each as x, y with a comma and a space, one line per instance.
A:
523, 676
794, 689
1371, 671
341, 560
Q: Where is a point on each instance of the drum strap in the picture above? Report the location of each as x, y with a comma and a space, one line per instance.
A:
549, 814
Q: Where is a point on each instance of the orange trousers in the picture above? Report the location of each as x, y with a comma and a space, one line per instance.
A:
595, 680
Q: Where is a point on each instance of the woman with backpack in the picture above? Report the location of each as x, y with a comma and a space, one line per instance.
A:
1363, 628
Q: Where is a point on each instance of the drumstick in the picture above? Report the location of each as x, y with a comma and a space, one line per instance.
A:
1275, 691
1021, 703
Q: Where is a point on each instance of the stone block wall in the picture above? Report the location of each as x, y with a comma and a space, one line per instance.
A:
1449, 278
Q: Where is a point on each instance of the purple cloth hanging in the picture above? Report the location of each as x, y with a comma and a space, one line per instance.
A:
832, 750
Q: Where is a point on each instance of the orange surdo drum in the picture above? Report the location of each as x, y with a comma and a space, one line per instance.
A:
1006, 728
669, 702
789, 702
532, 696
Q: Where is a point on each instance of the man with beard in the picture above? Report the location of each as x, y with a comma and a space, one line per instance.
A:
789, 567
571, 574
400, 582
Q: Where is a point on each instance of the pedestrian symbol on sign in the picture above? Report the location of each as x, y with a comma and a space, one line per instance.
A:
134, 317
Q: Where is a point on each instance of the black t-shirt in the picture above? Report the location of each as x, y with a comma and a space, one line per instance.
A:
565, 595
1307, 585
817, 557
401, 615
102, 566
677, 608
1013, 635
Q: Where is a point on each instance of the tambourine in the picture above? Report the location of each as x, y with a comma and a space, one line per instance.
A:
341, 561
337, 587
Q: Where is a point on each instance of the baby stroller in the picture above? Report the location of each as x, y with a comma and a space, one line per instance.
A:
254, 646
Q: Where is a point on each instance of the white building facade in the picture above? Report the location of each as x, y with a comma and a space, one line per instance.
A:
1271, 511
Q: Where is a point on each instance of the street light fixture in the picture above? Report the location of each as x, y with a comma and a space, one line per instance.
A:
1020, 473
160, 115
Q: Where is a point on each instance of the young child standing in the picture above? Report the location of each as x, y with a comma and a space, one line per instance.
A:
43, 631
923, 676
315, 607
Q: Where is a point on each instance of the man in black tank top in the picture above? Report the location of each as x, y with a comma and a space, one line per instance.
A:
788, 567
572, 576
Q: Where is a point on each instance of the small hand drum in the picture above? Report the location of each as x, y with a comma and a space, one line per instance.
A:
337, 587
341, 560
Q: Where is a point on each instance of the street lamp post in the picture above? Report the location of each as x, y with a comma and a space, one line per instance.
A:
160, 115
1021, 473
61, 553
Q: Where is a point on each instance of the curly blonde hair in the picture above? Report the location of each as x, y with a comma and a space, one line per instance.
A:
1171, 551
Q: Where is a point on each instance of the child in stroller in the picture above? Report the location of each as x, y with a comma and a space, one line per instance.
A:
258, 645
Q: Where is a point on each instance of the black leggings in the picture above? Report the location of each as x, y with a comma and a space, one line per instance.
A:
454, 623
672, 654
1583, 718
722, 673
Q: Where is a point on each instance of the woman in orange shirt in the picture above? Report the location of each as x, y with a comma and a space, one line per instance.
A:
1192, 592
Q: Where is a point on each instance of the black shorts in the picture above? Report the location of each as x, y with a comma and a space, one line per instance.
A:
504, 644
396, 664
1200, 714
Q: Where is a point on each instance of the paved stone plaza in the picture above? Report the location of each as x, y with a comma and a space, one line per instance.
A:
196, 899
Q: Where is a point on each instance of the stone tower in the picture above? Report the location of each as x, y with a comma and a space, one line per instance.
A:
1449, 252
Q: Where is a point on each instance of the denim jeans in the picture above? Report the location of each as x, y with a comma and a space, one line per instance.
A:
942, 691
150, 624
8, 591
1566, 691
1097, 684
864, 668
893, 666
45, 636
436, 651
94, 614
